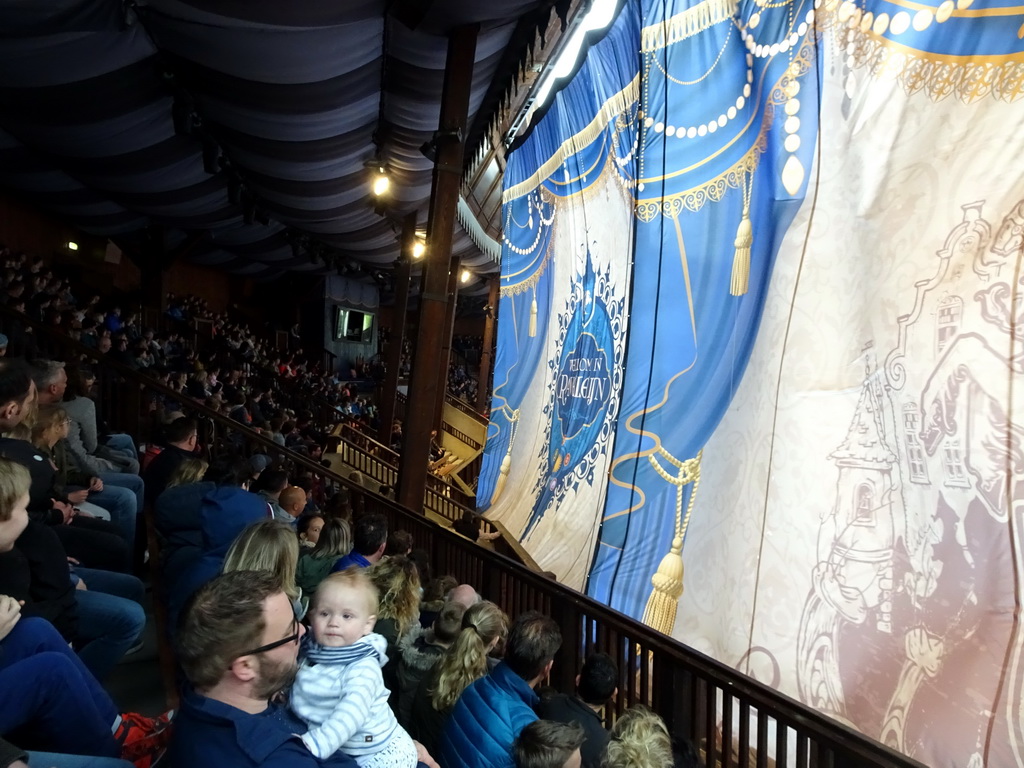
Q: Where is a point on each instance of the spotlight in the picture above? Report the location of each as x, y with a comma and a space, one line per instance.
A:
72, 246
465, 276
418, 249
381, 182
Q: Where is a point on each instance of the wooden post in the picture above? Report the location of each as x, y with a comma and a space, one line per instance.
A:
454, 270
393, 355
483, 384
444, 199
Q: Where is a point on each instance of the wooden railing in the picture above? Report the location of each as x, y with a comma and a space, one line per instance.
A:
380, 462
465, 407
733, 719
461, 436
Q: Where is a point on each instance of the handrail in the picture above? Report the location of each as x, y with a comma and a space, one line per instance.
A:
465, 407
721, 710
458, 434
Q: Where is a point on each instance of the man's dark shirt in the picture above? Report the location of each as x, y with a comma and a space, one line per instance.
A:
571, 709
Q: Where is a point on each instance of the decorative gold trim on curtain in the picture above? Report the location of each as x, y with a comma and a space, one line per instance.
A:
690, 22
939, 76
578, 141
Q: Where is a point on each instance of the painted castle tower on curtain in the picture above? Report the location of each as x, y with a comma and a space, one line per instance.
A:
915, 566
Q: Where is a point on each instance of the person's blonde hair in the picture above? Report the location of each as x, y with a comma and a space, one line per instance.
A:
466, 660
270, 546
188, 472
14, 483
354, 578
398, 581
48, 417
20, 431
639, 739
335, 539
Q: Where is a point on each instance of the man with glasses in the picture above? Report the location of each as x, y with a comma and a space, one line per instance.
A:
238, 644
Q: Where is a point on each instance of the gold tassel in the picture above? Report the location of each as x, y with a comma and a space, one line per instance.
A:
741, 261
744, 240
506, 465
533, 316
660, 613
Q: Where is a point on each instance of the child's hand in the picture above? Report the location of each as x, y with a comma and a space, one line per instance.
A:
424, 757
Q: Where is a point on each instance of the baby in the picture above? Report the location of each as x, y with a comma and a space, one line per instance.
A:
339, 690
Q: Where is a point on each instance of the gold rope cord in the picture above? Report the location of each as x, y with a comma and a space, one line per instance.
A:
667, 582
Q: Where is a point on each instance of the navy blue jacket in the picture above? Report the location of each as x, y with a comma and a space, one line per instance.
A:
487, 719
211, 733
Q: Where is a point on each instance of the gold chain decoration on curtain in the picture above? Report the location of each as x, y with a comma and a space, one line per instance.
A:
660, 613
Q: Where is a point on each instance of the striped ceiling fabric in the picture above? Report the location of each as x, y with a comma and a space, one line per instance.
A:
241, 127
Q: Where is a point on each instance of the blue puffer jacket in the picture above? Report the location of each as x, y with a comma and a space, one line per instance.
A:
223, 513
487, 719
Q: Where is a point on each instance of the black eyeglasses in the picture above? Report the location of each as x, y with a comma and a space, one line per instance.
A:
277, 643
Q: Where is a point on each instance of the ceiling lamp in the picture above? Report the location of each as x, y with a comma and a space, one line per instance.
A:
72, 246
465, 276
381, 182
418, 249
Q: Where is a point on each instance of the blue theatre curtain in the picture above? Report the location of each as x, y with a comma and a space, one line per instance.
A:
567, 240
727, 130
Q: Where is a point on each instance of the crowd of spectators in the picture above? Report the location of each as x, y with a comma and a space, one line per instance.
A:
307, 632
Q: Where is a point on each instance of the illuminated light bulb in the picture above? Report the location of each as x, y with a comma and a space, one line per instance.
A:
418, 249
465, 276
381, 183
72, 246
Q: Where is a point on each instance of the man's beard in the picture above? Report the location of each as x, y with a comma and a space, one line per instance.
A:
274, 677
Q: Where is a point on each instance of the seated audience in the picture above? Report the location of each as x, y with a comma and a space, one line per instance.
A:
93, 542
470, 525
547, 744
483, 627
180, 437
398, 582
369, 538
223, 513
420, 649
399, 543
269, 486
308, 528
339, 690
333, 542
86, 492
435, 595
238, 645
493, 710
595, 686
292, 504
640, 739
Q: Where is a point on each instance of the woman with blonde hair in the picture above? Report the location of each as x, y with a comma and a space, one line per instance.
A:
398, 581
484, 625
640, 739
271, 546
188, 472
333, 543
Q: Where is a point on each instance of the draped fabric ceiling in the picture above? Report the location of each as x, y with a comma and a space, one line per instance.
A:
106, 110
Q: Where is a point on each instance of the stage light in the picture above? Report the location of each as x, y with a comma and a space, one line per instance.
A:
418, 249
465, 276
72, 246
381, 182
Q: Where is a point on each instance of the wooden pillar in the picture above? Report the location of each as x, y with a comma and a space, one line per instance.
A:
444, 199
393, 354
486, 361
454, 269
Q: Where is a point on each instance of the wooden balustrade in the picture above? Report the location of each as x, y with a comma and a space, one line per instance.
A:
465, 407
